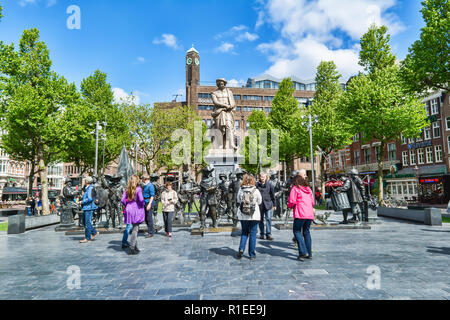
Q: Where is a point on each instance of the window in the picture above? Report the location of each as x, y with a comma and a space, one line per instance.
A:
427, 109
392, 152
367, 155
356, 138
247, 125
255, 98
420, 156
237, 97
404, 141
268, 110
377, 153
427, 133
267, 84
204, 96
268, 98
447, 121
207, 108
429, 154
208, 123
357, 157
438, 153
434, 107
448, 143
410, 141
237, 124
405, 158
420, 137
436, 130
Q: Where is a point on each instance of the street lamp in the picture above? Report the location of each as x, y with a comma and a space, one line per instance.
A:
416, 170
310, 124
97, 129
104, 145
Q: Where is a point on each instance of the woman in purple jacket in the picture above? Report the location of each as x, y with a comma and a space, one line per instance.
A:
133, 200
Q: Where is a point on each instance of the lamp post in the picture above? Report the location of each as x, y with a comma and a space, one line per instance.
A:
310, 126
96, 132
104, 146
416, 170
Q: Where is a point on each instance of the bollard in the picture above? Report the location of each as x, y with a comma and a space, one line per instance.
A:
16, 224
433, 217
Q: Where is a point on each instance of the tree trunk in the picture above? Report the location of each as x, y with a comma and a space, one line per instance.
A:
31, 179
44, 183
380, 173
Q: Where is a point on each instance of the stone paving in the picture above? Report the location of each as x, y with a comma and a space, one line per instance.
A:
414, 261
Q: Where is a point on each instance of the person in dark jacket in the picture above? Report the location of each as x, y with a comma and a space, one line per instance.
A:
88, 207
267, 207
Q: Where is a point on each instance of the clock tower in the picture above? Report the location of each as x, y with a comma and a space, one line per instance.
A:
192, 76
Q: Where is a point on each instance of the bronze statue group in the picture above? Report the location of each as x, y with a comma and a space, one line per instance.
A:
127, 205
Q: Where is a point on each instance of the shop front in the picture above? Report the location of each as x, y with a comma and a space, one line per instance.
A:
434, 189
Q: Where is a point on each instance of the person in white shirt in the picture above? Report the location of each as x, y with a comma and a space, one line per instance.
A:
249, 198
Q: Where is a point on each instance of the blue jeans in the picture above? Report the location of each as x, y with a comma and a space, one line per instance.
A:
303, 236
126, 233
249, 229
268, 215
149, 218
89, 230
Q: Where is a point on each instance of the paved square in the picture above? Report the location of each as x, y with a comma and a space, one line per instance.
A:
413, 260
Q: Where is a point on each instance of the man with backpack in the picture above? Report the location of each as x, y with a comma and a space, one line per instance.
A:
149, 196
88, 206
248, 199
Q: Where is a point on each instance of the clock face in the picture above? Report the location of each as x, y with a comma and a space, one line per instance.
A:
189, 61
197, 62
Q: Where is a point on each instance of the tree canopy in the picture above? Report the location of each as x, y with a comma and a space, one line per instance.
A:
427, 64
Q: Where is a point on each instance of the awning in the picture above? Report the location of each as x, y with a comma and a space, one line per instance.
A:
11, 190
424, 171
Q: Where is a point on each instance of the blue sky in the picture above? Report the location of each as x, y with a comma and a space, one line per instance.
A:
141, 44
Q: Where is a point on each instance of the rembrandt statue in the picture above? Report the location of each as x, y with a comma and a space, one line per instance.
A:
224, 106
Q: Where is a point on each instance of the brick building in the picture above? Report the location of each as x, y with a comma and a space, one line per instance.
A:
415, 169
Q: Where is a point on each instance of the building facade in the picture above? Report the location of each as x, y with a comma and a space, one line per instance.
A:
415, 170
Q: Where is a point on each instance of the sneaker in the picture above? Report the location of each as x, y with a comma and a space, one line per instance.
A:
300, 258
253, 258
240, 254
170, 235
270, 238
308, 257
261, 237
84, 241
95, 235
124, 246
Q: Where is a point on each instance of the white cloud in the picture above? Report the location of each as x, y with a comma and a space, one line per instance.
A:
247, 36
225, 47
168, 39
314, 31
121, 96
141, 59
236, 83
24, 3
239, 33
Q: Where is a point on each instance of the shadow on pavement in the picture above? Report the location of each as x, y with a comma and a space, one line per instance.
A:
434, 230
116, 245
225, 251
276, 253
439, 250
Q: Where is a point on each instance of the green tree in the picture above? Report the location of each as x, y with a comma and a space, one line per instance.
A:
377, 104
152, 128
286, 116
332, 132
427, 64
258, 121
32, 103
97, 104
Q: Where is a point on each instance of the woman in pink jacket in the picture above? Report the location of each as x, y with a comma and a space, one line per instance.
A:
302, 200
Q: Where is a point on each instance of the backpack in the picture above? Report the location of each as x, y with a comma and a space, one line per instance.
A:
247, 206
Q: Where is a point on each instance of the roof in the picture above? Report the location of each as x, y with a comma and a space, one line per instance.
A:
272, 78
192, 50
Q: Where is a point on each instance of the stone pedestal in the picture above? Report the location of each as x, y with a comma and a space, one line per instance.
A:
433, 217
16, 224
67, 222
224, 161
